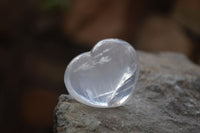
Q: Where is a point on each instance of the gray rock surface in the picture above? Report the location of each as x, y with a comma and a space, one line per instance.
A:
165, 100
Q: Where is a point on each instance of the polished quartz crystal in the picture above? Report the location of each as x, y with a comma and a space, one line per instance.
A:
104, 77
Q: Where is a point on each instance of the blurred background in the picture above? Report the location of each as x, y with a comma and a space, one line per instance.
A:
38, 38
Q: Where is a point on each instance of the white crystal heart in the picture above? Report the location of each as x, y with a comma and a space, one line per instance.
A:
104, 77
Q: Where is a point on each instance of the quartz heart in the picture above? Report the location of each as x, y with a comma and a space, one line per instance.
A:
105, 76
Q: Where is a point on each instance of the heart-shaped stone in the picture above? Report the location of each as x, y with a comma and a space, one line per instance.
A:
104, 77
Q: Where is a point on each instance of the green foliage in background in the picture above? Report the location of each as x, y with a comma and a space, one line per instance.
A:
54, 5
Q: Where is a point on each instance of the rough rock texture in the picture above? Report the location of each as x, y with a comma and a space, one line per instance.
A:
166, 100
